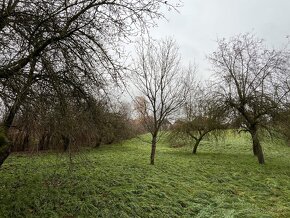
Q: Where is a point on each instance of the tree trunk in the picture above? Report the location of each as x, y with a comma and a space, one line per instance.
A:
260, 154
257, 148
195, 146
98, 142
66, 142
46, 144
153, 149
41, 142
5, 147
5, 144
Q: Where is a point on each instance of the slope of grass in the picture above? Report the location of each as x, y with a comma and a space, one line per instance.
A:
222, 180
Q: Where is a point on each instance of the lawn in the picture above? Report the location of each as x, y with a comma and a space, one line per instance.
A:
222, 180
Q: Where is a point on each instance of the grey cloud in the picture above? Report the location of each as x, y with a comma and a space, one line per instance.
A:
200, 22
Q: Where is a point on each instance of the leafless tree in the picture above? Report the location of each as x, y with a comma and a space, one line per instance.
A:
70, 45
162, 82
249, 80
203, 116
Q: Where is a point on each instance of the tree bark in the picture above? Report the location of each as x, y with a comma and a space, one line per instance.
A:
153, 149
195, 146
257, 148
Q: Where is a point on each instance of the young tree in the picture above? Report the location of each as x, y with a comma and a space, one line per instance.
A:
249, 80
163, 84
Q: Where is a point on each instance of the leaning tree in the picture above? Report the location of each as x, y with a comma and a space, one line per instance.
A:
64, 46
162, 83
249, 80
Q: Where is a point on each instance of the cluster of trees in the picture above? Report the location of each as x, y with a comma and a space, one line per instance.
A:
249, 91
62, 55
47, 129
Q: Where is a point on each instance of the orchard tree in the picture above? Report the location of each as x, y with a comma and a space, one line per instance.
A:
203, 116
249, 80
64, 46
162, 83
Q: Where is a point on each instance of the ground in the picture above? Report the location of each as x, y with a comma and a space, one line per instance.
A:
222, 180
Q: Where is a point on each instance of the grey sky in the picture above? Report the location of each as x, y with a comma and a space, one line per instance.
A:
201, 22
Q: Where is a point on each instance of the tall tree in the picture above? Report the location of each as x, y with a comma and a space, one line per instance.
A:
250, 81
163, 84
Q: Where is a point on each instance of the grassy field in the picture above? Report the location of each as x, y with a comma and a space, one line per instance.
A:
222, 180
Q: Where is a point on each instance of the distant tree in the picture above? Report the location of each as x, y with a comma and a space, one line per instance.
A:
203, 116
64, 46
249, 80
163, 84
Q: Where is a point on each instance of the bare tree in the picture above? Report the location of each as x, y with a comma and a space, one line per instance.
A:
28, 28
249, 80
72, 45
203, 116
163, 84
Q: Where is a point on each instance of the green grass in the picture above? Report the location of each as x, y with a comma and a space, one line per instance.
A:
222, 180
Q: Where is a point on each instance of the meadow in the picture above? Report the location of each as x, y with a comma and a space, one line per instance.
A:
222, 180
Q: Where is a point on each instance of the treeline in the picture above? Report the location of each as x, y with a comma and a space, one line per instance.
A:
46, 128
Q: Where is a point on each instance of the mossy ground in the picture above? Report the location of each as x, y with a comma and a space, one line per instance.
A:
222, 180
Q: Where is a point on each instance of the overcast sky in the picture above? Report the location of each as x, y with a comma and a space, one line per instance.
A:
200, 22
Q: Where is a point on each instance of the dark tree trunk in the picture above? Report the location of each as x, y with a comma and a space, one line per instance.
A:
44, 141
47, 141
153, 149
5, 144
260, 154
98, 142
41, 142
195, 146
4, 153
66, 142
5, 147
257, 148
